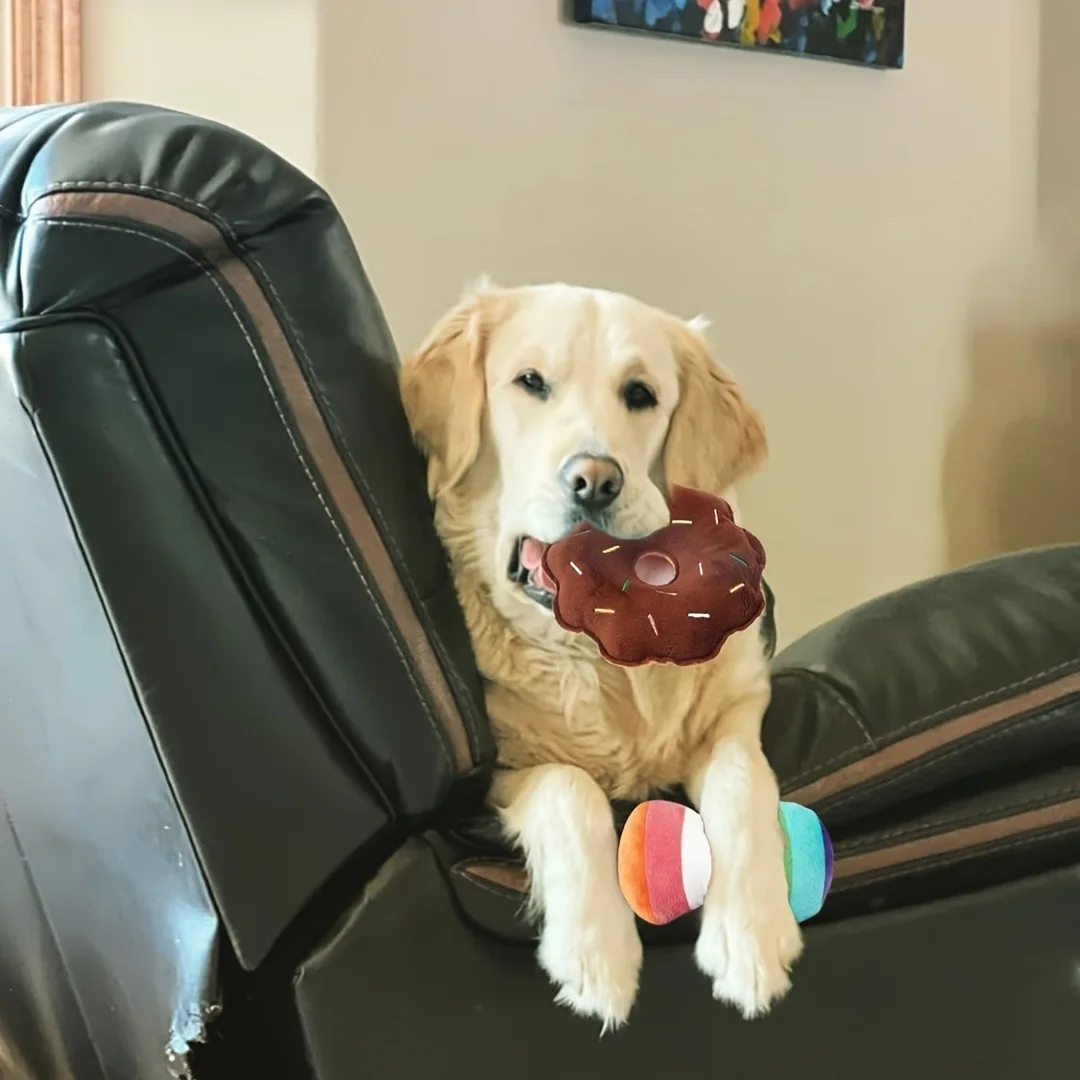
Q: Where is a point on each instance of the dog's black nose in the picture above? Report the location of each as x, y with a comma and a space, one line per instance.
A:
593, 483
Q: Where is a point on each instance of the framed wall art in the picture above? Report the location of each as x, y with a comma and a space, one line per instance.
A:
865, 32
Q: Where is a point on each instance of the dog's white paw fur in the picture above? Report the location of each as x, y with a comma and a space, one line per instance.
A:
747, 951
749, 938
589, 943
594, 958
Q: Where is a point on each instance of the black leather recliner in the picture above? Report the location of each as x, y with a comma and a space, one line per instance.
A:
243, 750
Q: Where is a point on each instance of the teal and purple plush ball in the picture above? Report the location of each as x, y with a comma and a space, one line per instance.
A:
808, 859
665, 862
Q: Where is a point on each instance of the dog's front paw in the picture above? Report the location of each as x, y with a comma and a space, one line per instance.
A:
594, 958
747, 946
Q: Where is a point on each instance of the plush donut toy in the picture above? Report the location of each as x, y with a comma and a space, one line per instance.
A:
674, 596
665, 862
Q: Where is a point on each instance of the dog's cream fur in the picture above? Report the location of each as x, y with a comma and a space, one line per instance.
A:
572, 730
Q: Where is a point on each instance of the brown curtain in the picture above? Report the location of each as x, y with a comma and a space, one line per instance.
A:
44, 51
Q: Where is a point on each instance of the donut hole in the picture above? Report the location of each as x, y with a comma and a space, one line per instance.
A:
655, 568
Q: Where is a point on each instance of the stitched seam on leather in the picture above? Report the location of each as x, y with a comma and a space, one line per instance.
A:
952, 858
497, 861
1004, 691
494, 890
388, 533
439, 737
117, 185
979, 817
1007, 728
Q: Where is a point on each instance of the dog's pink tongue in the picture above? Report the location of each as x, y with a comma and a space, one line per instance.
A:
532, 559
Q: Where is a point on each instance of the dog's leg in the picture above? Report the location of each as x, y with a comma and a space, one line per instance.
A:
589, 943
749, 938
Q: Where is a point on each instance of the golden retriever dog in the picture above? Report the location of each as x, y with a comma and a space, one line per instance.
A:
539, 408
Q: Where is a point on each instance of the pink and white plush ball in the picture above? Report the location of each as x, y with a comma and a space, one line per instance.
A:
664, 861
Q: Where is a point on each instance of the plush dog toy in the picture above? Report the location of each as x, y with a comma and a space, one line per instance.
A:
675, 596
665, 862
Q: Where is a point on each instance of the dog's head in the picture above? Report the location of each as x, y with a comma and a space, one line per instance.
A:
543, 407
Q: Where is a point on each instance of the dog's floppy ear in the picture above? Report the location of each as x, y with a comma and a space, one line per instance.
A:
715, 437
442, 388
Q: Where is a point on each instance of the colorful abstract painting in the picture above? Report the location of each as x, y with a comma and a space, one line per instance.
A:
868, 32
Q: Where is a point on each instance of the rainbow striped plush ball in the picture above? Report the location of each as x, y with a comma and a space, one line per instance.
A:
665, 863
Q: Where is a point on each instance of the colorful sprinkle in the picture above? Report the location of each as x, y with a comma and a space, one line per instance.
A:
626, 585
604, 610
741, 562
666, 593
652, 623
697, 615
575, 566
716, 515
681, 521
608, 551
741, 585
699, 570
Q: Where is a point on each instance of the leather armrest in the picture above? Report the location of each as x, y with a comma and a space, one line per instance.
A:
948, 679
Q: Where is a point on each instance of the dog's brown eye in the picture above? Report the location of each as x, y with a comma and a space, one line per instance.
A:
638, 396
534, 383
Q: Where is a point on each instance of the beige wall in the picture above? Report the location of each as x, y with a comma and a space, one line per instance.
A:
246, 63
832, 221
1013, 459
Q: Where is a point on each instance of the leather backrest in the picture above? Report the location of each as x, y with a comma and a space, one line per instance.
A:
204, 360
973, 673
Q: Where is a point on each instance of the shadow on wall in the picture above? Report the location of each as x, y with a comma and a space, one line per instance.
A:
1012, 467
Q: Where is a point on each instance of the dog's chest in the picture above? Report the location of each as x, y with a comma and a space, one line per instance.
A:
632, 730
